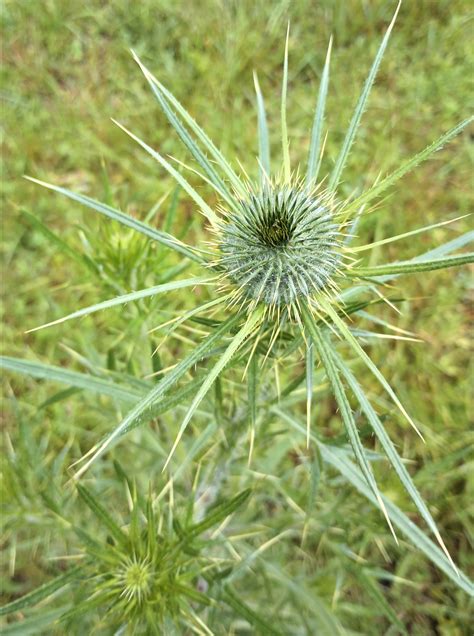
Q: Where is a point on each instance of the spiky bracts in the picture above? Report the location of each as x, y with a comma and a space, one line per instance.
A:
279, 244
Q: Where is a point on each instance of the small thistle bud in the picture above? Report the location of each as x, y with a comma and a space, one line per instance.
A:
135, 577
280, 244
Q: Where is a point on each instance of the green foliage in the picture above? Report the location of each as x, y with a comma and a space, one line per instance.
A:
143, 576
214, 394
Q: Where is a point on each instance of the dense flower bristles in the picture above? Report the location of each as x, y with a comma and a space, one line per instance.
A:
135, 578
281, 244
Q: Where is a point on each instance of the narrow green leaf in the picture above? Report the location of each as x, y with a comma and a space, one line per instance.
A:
171, 212
197, 130
379, 321
373, 591
243, 610
398, 237
136, 415
315, 470
352, 341
263, 141
418, 538
58, 241
59, 397
397, 174
218, 514
102, 515
187, 139
446, 248
124, 219
252, 379
442, 250
411, 267
314, 159
122, 475
284, 128
337, 458
327, 360
168, 402
218, 402
73, 378
237, 340
35, 624
309, 385
97, 385
360, 108
390, 451
205, 209
126, 298
42, 592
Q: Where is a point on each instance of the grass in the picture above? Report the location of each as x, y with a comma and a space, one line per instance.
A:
69, 70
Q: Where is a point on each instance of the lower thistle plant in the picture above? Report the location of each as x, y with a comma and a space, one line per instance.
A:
286, 283
150, 575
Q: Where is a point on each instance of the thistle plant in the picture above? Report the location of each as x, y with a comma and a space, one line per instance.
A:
284, 284
148, 575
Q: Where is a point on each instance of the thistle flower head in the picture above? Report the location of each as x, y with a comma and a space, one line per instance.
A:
280, 244
135, 578
149, 574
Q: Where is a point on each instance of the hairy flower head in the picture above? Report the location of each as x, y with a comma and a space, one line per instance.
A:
134, 577
279, 244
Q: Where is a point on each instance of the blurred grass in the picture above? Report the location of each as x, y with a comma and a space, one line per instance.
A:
67, 70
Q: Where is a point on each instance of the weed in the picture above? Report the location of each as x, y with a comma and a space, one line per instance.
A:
282, 284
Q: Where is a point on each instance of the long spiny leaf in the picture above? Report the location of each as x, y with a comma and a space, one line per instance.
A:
381, 186
126, 298
71, 378
327, 360
187, 139
124, 219
161, 388
337, 458
352, 341
359, 110
412, 267
42, 592
198, 131
391, 452
252, 322
315, 154
263, 140
284, 128
203, 206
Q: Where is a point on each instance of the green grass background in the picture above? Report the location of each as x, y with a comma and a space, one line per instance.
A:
67, 70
